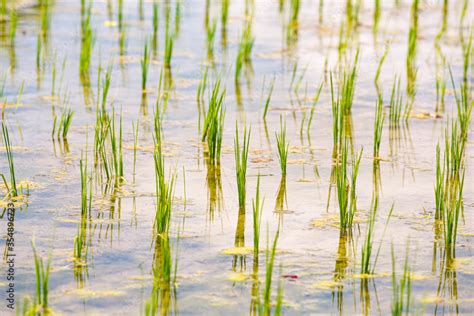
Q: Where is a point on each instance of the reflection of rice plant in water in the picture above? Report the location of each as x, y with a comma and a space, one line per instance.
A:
401, 290
265, 309
257, 206
12, 189
241, 159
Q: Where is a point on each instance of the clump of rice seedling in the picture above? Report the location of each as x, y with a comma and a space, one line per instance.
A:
244, 54
214, 123
366, 267
267, 101
13, 25
464, 106
145, 62
292, 27
12, 189
376, 16
411, 58
63, 125
117, 150
241, 159
396, 103
450, 183
169, 40
87, 41
257, 206
155, 25
40, 301
401, 290
211, 32
283, 146
346, 186
224, 19
378, 125
45, 17
347, 86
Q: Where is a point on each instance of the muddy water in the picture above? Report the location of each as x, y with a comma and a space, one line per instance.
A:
318, 265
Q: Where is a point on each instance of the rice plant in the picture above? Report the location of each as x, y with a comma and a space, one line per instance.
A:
211, 32
224, 17
87, 41
366, 266
378, 126
376, 16
269, 97
269, 265
63, 125
313, 107
155, 22
283, 146
12, 190
257, 206
346, 186
13, 25
169, 40
401, 289
464, 105
117, 148
244, 54
214, 123
411, 68
145, 62
396, 103
41, 297
135, 146
241, 160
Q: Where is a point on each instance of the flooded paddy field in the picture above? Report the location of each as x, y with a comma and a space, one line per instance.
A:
236, 157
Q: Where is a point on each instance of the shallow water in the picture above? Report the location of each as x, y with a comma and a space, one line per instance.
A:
318, 266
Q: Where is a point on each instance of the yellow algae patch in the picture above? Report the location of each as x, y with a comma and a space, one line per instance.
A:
86, 293
238, 251
432, 300
330, 221
327, 285
110, 23
238, 277
419, 277
261, 160
296, 161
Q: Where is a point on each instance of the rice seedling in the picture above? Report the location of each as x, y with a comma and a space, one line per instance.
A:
378, 125
321, 11
401, 290
269, 97
464, 106
269, 264
13, 25
145, 62
257, 206
40, 301
241, 160
246, 43
440, 94
177, 17
135, 146
292, 27
12, 190
224, 17
347, 87
379, 68
444, 21
117, 150
45, 17
169, 40
411, 68
396, 103
155, 23
140, 10
211, 32
202, 88
313, 107
214, 123
346, 186
63, 125
39, 45
87, 41
366, 267
375, 26
283, 146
